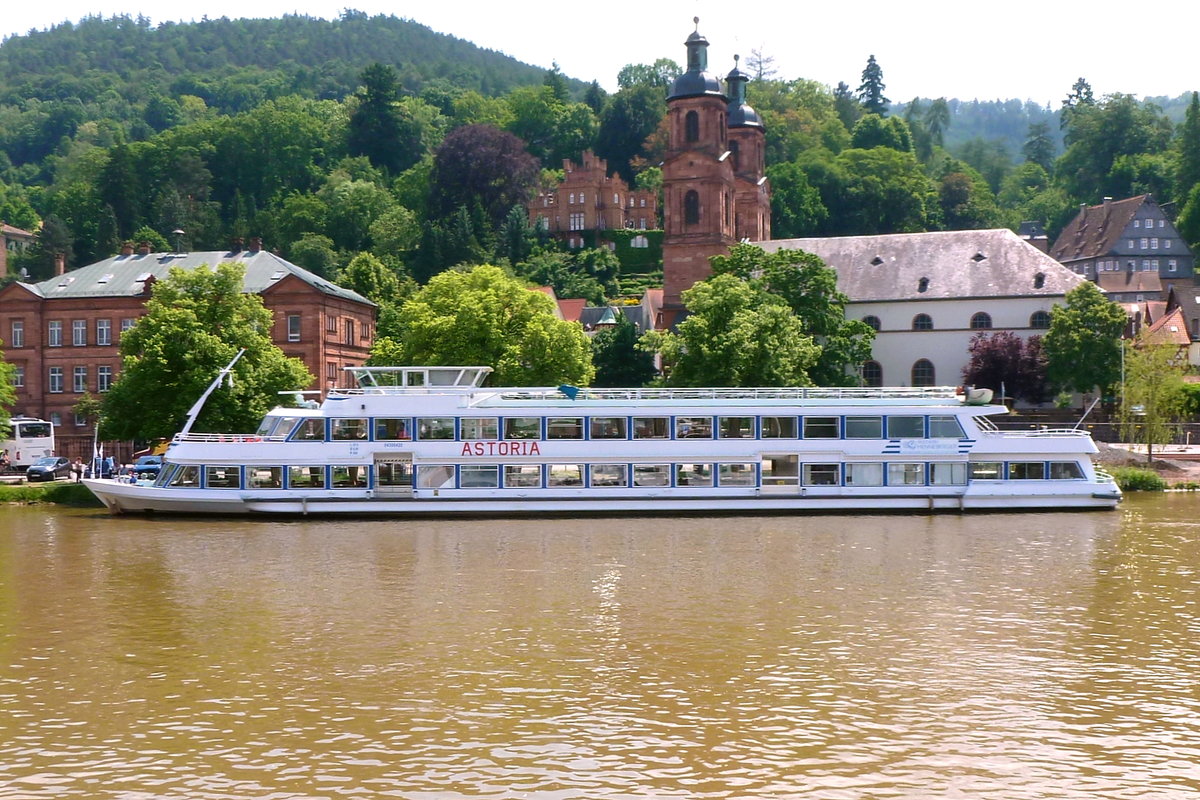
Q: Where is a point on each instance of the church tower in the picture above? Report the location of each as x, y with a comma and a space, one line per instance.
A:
747, 151
698, 178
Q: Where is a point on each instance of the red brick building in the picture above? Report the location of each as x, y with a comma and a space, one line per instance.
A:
589, 199
62, 334
715, 191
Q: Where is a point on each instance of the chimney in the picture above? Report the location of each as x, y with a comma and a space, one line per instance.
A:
237, 244
255, 244
126, 248
60, 264
143, 248
1107, 200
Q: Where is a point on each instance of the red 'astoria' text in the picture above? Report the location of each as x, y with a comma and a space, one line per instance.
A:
501, 449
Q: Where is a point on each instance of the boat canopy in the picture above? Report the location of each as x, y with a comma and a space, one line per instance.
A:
374, 377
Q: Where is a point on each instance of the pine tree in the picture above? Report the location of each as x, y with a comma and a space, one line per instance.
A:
1188, 175
870, 91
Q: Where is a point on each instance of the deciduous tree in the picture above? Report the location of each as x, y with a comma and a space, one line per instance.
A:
1004, 362
618, 359
1083, 345
478, 165
195, 323
1152, 395
484, 317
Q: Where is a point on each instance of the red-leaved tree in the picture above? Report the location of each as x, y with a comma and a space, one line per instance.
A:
1005, 360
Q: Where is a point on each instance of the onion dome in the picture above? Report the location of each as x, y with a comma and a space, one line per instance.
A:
696, 82
740, 114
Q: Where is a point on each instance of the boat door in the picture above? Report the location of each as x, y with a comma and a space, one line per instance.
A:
393, 474
779, 473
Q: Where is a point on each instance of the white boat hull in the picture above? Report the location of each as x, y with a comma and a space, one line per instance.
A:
142, 498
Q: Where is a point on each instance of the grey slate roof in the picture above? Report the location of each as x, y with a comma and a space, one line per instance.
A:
124, 276
955, 265
1096, 230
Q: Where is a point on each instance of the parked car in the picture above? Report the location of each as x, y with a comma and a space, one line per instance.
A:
147, 467
48, 469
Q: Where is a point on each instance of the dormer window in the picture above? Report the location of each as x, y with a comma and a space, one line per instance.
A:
978, 257
876, 261
1039, 280
923, 284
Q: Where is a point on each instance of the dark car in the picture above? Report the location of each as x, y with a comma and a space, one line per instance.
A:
147, 467
48, 469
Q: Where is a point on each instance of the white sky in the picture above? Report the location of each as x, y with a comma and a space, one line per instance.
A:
929, 48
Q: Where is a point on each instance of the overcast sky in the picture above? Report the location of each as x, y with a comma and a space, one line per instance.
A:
928, 48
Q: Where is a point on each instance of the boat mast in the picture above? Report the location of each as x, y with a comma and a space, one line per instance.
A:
194, 411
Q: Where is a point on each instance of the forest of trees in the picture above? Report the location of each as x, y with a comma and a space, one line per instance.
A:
376, 136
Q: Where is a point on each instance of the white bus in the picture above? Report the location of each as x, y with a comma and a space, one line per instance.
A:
29, 440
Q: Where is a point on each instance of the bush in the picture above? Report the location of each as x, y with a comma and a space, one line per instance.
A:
64, 492
1136, 479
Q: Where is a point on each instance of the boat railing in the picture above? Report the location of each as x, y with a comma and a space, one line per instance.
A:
226, 438
1104, 476
763, 393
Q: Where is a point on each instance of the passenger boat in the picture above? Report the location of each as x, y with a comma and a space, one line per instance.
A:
434, 440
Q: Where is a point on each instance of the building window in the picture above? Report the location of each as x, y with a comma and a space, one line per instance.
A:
642, 204
872, 321
1149, 223
735, 153
1171, 265
1153, 242
1039, 280
104, 332
571, 201
691, 208
54, 333
1040, 320
1145, 265
922, 372
923, 285
126, 324
616, 199
331, 372
872, 373
79, 332
18, 334
18, 376
330, 323
922, 322
349, 331
1161, 222
691, 127
80, 420
576, 221
1144, 242
1130, 244
1137, 223
79, 384
641, 223
103, 378
56, 380
981, 321
293, 327
55, 419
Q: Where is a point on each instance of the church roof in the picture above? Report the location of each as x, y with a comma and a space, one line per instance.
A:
696, 82
944, 265
126, 275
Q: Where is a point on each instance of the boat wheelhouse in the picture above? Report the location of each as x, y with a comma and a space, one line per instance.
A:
434, 440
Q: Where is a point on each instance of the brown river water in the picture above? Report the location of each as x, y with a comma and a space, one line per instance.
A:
1003, 656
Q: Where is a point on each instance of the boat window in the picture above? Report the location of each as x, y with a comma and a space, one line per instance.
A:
987, 470
393, 473
651, 475
870, 474
693, 474
736, 474
737, 427
864, 427
609, 475
187, 476
166, 474
522, 475
393, 428
651, 427
779, 427
820, 427
564, 475
522, 428
945, 428
267, 426
310, 430
906, 427
435, 476
943, 474
476, 428
226, 476
906, 474
311, 477
693, 427
343, 429
1026, 470
351, 476
564, 428
1065, 471
264, 477
780, 470
821, 474
283, 427
431, 428
478, 476
607, 427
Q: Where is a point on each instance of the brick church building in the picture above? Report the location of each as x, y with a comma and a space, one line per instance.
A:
715, 190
